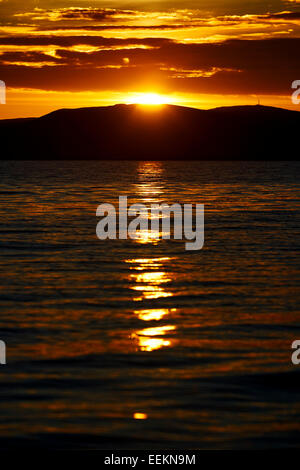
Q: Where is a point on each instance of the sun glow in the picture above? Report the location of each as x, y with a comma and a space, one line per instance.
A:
152, 99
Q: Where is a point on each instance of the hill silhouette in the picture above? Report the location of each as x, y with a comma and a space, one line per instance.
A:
154, 133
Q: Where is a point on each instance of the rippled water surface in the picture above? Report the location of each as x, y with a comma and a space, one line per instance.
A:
140, 344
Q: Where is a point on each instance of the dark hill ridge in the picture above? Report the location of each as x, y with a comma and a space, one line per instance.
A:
154, 133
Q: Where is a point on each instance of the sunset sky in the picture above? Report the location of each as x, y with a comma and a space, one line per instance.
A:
194, 53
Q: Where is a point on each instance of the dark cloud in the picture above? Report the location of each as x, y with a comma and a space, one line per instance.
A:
74, 13
33, 56
238, 66
69, 41
193, 20
288, 15
87, 27
98, 14
274, 54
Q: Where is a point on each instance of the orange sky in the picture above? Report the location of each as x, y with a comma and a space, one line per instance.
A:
80, 53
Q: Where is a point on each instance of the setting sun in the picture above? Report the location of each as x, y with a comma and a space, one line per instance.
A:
152, 99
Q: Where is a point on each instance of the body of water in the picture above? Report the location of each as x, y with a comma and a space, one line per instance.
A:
140, 344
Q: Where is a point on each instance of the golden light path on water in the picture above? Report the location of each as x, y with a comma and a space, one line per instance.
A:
149, 284
150, 274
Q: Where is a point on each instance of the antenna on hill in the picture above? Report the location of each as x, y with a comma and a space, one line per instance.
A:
258, 101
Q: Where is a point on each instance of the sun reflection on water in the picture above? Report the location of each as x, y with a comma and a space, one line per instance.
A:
154, 313
149, 283
146, 262
140, 416
149, 338
149, 189
149, 277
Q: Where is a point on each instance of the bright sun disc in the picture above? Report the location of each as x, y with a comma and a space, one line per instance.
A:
149, 99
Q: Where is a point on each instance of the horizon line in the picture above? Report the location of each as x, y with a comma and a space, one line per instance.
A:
149, 106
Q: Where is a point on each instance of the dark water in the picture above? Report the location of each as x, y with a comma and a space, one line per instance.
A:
101, 333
